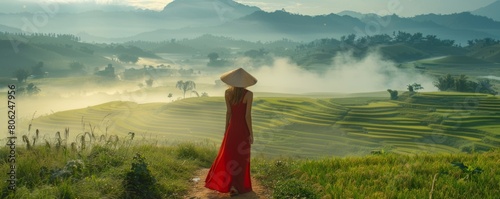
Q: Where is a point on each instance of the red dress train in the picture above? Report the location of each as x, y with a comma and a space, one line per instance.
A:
232, 165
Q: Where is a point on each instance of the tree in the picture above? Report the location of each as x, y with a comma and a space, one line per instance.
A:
213, 57
349, 39
77, 67
485, 86
402, 37
127, 58
32, 89
29, 90
21, 75
215, 61
109, 71
185, 86
196, 93
445, 83
414, 87
461, 84
37, 70
394, 94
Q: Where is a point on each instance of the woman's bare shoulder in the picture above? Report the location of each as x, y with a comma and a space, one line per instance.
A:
249, 95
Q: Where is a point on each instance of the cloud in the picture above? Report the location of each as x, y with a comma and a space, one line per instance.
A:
143, 4
149, 4
345, 75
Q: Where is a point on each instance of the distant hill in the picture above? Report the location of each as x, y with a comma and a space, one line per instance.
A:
352, 14
464, 20
281, 24
269, 26
194, 18
9, 29
217, 11
492, 11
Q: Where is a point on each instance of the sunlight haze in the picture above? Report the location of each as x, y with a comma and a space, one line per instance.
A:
405, 8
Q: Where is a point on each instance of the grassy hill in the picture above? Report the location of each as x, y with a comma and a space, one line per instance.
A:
58, 52
391, 148
459, 60
108, 167
400, 52
56, 58
490, 53
427, 122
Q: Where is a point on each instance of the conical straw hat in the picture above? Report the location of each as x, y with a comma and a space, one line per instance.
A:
238, 78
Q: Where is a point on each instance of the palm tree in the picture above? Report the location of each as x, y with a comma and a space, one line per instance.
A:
195, 92
185, 86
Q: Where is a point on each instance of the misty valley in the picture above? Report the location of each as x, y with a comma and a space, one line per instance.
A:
337, 91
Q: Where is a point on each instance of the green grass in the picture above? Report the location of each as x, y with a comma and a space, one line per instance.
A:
384, 176
459, 59
104, 169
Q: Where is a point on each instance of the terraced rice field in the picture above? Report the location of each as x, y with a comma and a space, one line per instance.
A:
304, 127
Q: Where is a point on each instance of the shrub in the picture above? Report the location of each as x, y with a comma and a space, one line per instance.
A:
102, 158
139, 182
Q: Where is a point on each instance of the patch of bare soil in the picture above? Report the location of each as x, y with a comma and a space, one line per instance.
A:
199, 191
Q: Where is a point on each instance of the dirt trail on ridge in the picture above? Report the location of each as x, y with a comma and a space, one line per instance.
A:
198, 191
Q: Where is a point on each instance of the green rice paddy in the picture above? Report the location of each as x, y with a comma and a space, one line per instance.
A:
437, 122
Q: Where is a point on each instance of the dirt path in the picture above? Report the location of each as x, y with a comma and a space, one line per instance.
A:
198, 191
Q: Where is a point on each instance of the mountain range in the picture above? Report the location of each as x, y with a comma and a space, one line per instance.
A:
193, 18
491, 11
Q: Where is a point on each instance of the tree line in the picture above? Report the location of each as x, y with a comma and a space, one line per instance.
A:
67, 37
463, 84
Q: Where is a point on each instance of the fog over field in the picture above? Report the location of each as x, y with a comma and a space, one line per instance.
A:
346, 75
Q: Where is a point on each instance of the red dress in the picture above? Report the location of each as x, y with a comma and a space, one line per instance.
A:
232, 165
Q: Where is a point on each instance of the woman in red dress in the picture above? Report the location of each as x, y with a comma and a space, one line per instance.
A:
230, 171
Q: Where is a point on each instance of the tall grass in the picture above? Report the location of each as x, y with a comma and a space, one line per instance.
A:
98, 169
383, 176
101, 170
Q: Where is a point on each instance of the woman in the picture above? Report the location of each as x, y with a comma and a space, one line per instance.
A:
230, 171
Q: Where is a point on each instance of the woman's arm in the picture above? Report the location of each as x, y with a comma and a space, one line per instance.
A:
228, 109
248, 116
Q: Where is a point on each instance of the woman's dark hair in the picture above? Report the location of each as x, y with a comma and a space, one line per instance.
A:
236, 94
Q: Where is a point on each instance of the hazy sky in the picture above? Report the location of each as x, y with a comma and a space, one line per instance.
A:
400, 7
318, 7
